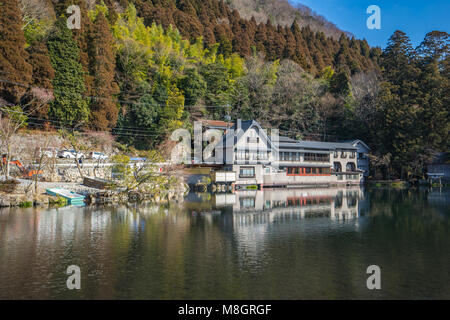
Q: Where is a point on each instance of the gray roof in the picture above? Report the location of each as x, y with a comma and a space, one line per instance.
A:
319, 145
286, 140
288, 143
355, 141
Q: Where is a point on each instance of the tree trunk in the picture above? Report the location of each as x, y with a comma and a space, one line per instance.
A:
78, 167
8, 159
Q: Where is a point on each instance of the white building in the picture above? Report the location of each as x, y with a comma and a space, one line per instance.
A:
276, 161
362, 154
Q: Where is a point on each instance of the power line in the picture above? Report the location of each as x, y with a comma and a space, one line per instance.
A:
136, 129
126, 102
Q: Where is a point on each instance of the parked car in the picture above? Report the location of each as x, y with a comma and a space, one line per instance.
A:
71, 154
98, 156
48, 152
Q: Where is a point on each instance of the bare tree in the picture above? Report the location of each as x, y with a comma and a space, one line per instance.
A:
11, 120
33, 10
144, 176
73, 139
365, 88
382, 161
41, 155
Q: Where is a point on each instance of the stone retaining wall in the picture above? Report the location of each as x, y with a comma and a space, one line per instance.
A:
71, 174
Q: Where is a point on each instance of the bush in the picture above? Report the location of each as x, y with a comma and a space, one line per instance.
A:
26, 204
9, 186
60, 201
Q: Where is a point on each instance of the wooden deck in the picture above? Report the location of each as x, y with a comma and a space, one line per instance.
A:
72, 197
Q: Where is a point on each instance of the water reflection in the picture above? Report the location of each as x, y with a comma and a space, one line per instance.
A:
272, 244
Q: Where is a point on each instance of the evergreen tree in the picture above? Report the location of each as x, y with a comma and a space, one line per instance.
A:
402, 134
289, 49
15, 71
81, 36
434, 87
339, 83
70, 105
40, 94
193, 86
261, 38
104, 109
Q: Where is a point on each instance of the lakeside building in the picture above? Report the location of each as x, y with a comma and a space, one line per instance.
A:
439, 169
363, 162
254, 158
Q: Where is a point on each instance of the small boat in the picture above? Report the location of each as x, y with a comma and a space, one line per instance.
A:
72, 197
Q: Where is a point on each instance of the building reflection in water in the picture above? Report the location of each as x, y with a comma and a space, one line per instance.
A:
335, 203
250, 217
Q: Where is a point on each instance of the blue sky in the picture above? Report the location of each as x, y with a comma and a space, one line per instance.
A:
414, 17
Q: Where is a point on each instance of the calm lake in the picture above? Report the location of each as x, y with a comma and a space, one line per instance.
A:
271, 244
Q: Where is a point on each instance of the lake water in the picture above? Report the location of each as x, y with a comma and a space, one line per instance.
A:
280, 244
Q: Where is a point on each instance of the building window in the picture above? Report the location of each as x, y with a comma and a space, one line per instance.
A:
351, 167
262, 155
361, 155
304, 171
247, 172
315, 157
343, 154
336, 154
337, 167
247, 202
353, 155
247, 155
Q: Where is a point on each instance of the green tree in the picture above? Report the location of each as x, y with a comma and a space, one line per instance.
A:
193, 86
339, 83
399, 102
218, 87
70, 105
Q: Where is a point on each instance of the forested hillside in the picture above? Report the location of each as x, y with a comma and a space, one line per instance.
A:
281, 12
216, 22
141, 69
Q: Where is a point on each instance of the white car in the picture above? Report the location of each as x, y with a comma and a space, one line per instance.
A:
48, 152
71, 154
98, 156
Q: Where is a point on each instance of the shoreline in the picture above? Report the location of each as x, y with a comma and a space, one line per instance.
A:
92, 196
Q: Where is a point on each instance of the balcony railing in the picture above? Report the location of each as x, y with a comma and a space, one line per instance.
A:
317, 159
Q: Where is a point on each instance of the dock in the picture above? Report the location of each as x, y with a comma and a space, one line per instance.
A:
72, 197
